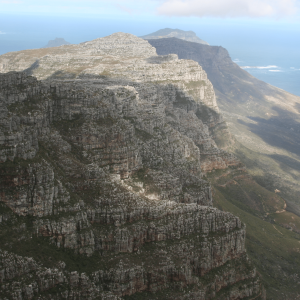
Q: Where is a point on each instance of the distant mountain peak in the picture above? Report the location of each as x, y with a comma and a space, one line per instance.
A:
57, 42
177, 33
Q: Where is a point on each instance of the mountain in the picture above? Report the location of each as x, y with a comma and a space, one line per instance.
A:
106, 150
57, 42
176, 33
264, 121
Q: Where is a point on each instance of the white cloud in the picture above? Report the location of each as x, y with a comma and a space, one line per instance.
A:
263, 67
124, 8
229, 8
11, 2
275, 71
1, 32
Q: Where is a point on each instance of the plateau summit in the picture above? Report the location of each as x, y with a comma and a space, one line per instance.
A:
175, 33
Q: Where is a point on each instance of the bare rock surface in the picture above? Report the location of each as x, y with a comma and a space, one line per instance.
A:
102, 191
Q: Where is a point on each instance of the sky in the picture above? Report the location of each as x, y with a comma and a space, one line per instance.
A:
30, 17
154, 8
255, 32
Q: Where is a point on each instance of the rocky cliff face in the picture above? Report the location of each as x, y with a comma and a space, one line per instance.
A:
102, 194
263, 119
123, 59
265, 123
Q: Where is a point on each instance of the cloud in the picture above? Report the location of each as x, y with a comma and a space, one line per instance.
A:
263, 67
229, 8
10, 2
275, 71
124, 8
1, 32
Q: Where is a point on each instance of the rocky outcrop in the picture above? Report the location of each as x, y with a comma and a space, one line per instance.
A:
101, 183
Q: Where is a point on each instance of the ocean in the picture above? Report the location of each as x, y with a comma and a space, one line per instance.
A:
277, 66
269, 52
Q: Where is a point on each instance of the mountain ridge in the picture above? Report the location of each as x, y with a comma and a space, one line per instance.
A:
177, 33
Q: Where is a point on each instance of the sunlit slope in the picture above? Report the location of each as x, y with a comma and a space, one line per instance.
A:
273, 240
265, 120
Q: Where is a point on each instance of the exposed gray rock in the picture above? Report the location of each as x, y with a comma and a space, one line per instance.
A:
113, 179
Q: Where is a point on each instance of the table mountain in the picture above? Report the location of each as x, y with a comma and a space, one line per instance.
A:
175, 33
57, 42
103, 190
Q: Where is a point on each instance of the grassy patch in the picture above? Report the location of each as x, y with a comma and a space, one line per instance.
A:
287, 220
273, 249
235, 184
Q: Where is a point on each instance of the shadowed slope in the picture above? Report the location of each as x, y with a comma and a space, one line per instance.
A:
265, 122
263, 118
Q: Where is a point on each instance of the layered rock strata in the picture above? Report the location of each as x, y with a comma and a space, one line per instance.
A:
128, 60
101, 182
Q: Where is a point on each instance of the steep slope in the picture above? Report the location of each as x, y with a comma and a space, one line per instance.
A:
177, 33
124, 57
263, 119
102, 189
